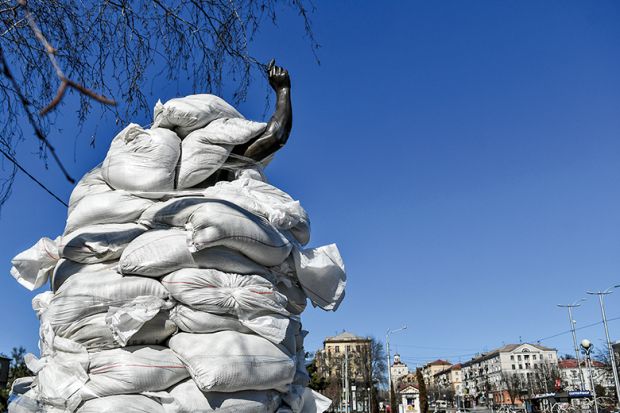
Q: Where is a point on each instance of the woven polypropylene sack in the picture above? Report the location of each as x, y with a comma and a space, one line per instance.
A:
91, 293
205, 150
161, 251
142, 159
225, 224
111, 207
189, 398
98, 243
186, 114
132, 370
229, 361
122, 403
223, 293
91, 183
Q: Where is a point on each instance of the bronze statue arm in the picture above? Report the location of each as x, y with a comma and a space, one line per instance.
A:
279, 127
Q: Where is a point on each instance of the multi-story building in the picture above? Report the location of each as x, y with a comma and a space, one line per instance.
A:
345, 359
571, 379
398, 369
430, 369
450, 381
495, 376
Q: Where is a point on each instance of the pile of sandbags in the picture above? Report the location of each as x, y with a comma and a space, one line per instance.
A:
170, 295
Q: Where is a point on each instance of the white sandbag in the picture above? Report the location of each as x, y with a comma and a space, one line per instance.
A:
66, 268
229, 361
132, 370
205, 150
223, 293
61, 371
263, 199
95, 334
142, 159
33, 267
24, 403
98, 243
122, 403
159, 252
188, 398
322, 275
272, 327
92, 183
196, 321
224, 224
314, 402
112, 207
91, 293
186, 114
215, 222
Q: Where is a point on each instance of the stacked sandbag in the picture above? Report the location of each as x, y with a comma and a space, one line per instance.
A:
171, 295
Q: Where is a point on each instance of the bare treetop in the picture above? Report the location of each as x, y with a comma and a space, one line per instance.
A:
104, 50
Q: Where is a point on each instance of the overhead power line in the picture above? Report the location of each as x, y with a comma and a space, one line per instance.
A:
41, 184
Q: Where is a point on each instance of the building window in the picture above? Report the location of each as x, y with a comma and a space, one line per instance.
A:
512, 358
348, 348
519, 357
357, 347
513, 367
337, 349
534, 357
526, 357
520, 366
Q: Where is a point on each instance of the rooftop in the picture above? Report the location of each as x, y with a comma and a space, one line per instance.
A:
508, 348
572, 364
345, 336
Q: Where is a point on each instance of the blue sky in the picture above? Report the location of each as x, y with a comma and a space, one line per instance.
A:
463, 155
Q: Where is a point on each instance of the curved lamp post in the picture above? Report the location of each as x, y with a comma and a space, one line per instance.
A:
612, 358
572, 329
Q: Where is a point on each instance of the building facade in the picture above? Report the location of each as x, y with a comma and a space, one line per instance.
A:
431, 369
450, 382
571, 379
344, 362
500, 375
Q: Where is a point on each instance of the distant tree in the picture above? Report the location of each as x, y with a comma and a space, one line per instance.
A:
513, 383
374, 371
394, 399
317, 381
567, 356
422, 389
17, 369
109, 52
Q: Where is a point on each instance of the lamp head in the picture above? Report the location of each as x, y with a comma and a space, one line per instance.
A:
586, 344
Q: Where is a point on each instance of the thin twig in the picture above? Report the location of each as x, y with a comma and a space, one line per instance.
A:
64, 81
26, 105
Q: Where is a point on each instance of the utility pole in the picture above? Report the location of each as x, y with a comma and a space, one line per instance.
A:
387, 348
572, 329
612, 357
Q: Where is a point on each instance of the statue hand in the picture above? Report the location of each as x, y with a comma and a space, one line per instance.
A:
278, 77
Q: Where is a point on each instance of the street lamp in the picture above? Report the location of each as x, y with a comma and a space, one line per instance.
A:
612, 358
586, 345
572, 329
387, 348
